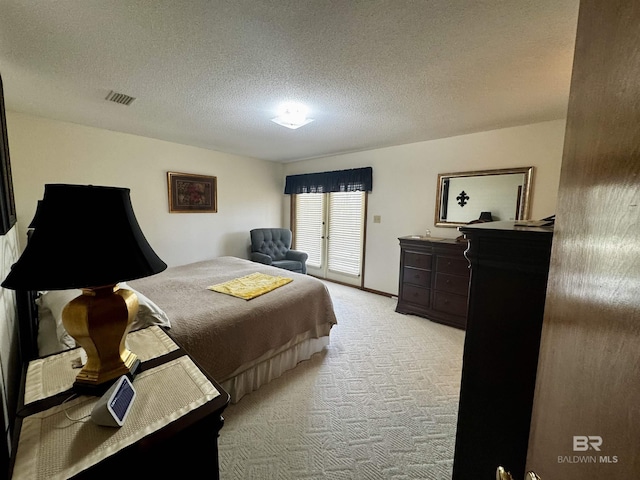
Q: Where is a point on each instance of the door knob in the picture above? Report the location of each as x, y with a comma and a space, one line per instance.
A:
502, 474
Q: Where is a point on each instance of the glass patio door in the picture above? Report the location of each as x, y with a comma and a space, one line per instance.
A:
330, 228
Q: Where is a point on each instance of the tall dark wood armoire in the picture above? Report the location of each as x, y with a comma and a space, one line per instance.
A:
509, 268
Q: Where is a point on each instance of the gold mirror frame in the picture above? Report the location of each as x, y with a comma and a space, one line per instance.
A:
524, 206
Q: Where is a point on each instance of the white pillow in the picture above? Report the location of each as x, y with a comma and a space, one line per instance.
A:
47, 337
148, 312
55, 300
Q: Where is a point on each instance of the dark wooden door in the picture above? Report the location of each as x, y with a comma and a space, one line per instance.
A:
586, 417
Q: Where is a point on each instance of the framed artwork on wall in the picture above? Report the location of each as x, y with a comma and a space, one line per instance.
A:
7, 201
190, 193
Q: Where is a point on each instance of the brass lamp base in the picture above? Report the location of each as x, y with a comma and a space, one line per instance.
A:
99, 321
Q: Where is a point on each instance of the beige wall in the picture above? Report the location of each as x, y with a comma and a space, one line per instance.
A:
405, 177
249, 190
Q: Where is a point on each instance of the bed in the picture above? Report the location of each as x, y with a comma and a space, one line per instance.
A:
243, 344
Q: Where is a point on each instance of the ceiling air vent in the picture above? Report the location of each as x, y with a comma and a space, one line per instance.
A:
119, 98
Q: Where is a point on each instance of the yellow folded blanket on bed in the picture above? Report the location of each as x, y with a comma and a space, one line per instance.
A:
250, 286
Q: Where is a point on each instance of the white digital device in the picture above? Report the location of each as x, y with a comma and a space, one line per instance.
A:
114, 406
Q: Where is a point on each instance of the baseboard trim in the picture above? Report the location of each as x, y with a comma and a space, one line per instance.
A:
378, 292
364, 289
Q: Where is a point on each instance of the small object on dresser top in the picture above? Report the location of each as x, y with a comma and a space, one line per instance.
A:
545, 222
79, 362
534, 223
430, 239
113, 407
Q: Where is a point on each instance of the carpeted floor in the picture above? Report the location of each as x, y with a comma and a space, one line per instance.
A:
380, 403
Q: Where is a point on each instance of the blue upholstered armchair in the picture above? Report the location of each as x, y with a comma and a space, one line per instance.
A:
272, 246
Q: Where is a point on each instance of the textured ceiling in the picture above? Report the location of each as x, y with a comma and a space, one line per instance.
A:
212, 73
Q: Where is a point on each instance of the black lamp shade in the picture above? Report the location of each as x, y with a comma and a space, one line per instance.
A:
36, 217
86, 236
486, 217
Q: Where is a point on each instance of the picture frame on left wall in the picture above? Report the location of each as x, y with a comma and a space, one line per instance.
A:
192, 193
7, 200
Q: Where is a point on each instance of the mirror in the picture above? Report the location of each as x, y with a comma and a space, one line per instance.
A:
462, 197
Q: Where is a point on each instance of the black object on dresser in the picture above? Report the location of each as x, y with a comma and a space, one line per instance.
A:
434, 279
509, 269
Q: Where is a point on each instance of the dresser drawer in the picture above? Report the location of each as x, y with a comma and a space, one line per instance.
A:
452, 284
417, 295
416, 276
452, 265
417, 260
450, 303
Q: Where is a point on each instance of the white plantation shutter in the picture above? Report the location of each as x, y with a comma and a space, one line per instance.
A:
345, 232
308, 234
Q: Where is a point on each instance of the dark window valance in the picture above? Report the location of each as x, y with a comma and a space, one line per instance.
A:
355, 179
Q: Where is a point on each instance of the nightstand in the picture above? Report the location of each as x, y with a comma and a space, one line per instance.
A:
172, 428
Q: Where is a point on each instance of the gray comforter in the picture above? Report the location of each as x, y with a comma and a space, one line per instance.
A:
223, 333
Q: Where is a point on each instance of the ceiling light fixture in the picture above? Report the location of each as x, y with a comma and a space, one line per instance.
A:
292, 115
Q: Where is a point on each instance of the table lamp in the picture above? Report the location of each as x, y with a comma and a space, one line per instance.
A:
34, 220
36, 217
87, 237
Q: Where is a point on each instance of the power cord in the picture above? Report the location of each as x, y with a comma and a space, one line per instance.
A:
82, 419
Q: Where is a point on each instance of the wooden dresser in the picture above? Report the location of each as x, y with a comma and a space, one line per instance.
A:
509, 269
434, 279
